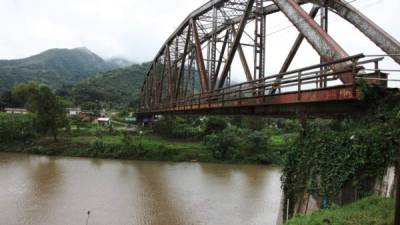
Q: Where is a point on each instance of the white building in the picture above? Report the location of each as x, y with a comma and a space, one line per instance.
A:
74, 111
104, 121
16, 110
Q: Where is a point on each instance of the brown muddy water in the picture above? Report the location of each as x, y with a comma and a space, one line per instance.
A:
41, 190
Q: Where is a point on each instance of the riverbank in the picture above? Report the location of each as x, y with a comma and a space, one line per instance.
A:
147, 147
372, 210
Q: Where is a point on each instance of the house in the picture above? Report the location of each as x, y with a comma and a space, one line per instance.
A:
87, 116
16, 110
104, 121
74, 111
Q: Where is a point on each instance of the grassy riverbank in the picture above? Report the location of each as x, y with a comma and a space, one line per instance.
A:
122, 146
371, 211
147, 147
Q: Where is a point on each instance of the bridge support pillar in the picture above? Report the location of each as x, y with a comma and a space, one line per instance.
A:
145, 120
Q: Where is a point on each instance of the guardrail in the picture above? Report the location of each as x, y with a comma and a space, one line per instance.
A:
321, 75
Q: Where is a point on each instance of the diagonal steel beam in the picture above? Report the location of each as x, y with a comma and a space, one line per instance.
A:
200, 59
376, 34
221, 55
324, 44
293, 51
236, 43
243, 60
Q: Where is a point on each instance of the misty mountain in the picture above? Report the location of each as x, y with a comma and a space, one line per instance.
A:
55, 67
119, 62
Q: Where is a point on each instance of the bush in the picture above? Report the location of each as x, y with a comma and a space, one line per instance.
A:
16, 127
178, 127
227, 144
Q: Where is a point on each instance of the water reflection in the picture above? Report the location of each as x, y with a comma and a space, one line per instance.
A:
61, 190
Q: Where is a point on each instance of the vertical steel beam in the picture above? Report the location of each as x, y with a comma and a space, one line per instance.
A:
200, 59
163, 74
213, 75
182, 68
152, 76
259, 41
324, 44
169, 73
235, 43
324, 26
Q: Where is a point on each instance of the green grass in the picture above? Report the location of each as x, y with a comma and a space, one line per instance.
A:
146, 140
369, 211
277, 140
151, 148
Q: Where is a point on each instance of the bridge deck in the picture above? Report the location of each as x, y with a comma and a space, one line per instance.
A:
332, 100
309, 90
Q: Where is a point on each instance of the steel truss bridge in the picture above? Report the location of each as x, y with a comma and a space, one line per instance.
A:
192, 71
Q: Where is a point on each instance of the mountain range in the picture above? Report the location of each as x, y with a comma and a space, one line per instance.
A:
56, 67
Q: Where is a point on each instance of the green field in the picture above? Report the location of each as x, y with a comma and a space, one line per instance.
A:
369, 211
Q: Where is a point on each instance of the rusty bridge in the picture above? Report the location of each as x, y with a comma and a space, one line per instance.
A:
192, 72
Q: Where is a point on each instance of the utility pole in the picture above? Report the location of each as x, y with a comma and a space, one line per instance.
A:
397, 209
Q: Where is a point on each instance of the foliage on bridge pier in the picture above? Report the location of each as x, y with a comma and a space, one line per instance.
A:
358, 149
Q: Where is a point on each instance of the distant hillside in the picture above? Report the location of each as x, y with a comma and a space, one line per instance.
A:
120, 87
55, 67
117, 88
119, 62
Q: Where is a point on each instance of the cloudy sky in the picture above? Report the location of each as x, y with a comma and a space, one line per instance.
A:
135, 29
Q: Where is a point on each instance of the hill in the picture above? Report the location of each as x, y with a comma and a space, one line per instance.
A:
55, 67
120, 87
116, 88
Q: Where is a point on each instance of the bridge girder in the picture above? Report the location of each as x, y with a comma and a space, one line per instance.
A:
201, 30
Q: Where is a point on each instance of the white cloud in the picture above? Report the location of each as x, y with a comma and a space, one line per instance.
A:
136, 29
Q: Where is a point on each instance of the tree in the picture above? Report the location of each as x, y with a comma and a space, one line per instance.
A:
48, 109
226, 145
16, 127
7, 100
215, 124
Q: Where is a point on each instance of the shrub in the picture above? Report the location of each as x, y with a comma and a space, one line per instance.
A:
16, 127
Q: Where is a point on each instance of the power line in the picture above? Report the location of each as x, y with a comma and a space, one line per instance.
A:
381, 55
292, 24
384, 70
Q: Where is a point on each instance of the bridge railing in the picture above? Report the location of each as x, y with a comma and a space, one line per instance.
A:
318, 76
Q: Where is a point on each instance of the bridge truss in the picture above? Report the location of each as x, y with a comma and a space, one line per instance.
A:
192, 71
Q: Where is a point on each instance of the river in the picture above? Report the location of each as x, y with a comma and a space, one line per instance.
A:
41, 190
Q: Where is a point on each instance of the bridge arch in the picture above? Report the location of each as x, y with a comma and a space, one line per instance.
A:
217, 28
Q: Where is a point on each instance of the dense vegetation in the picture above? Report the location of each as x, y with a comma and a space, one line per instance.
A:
115, 89
55, 67
47, 109
232, 139
16, 128
372, 211
350, 152
174, 138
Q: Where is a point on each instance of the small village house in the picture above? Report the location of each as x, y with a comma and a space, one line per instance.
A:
104, 121
74, 111
16, 110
